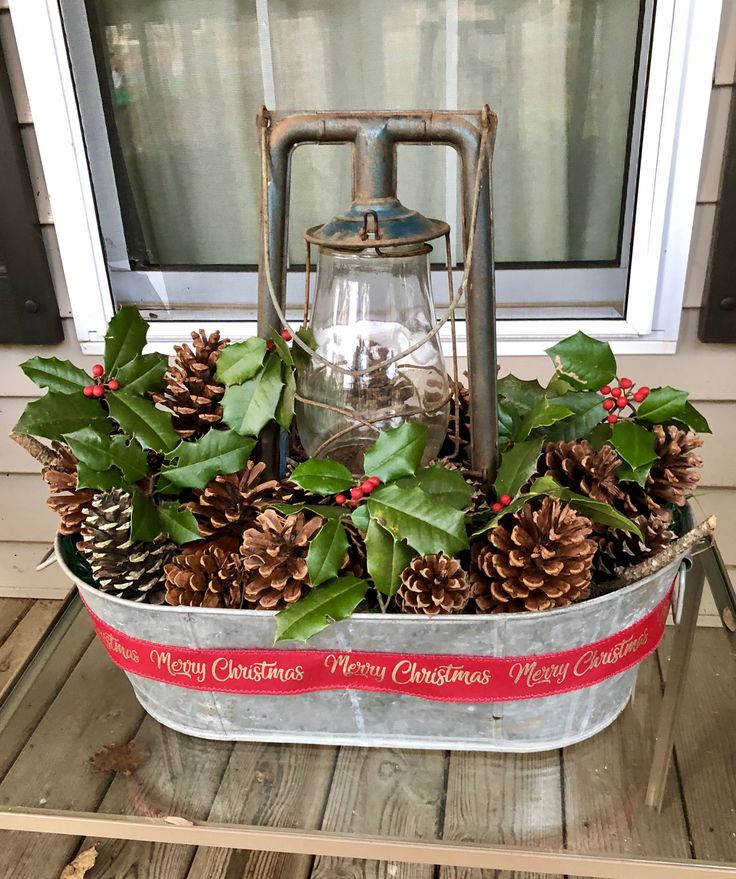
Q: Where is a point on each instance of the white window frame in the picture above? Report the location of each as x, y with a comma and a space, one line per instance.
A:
682, 59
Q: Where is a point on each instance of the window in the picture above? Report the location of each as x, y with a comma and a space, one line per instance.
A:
590, 93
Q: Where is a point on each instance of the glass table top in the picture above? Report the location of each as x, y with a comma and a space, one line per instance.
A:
76, 746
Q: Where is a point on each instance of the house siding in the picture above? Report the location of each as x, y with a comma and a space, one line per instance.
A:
707, 370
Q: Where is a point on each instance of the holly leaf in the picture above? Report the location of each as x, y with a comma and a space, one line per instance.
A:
178, 522
386, 558
285, 409
596, 511
124, 339
516, 504
327, 511
56, 414
522, 395
587, 413
300, 357
634, 443
438, 481
138, 417
145, 524
600, 435
248, 407
518, 464
694, 419
583, 362
322, 476
104, 481
426, 523
334, 600
508, 421
626, 473
101, 452
662, 405
143, 373
361, 517
326, 552
397, 452
197, 463
56, 375
282, 349
542, 415
241, 361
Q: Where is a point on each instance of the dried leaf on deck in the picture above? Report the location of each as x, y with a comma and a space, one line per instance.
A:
83, 862
120, 758
178, 821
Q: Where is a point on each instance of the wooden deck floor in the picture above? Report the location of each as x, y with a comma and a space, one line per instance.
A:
589, 797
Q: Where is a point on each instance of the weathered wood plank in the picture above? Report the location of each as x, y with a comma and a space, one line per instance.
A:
387, 793
605, 781
274, 786
20, 645
12, 611
503, 799
96, 706
705, 744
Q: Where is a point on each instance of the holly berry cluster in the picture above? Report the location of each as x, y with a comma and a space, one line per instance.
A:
621, 396
285, 335
358, 493
100, 386
502, 502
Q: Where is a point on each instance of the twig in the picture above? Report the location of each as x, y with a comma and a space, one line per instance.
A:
662, 559
38, 450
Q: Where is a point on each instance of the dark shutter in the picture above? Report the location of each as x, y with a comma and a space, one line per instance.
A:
29, 314
718, 312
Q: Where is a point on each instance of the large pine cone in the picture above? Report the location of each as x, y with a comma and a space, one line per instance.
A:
674, 475
127, 570
431, 585
618, 548
192, 393
275, 553
576, 465
541, 559
67, 501
226, 505
207, 574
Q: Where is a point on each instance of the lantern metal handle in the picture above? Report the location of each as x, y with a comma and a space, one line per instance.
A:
374, 137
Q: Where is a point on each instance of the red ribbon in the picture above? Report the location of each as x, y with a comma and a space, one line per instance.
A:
443, 678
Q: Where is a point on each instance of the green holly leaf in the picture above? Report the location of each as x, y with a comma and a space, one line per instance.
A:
103, 480
662, 405
101, 452
508, 421
634, 443
327, 511
448, 485
386, 558
143, 373
197, 463
56, 375
56, 414
587, 413
425, 522
543, 414
322, 476
625, 473
178, 522
332, 601
285, 409
360, 517
281, 348
596, 511
483, 526
248, 407
138, 417
145, 524
583, 362
522, 395
239, 362
600, 435
518, 464
124, 339
299, 355
397, 452
694, 419
326, 552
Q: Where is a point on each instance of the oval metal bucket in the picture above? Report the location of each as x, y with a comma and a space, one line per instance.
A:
357, 717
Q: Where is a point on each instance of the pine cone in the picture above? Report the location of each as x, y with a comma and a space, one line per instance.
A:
192, 393
66, 499
456, 446
618, 548
433, 584
275, 551
127, 570
674, 475
578, 466
207, 574
355, 557
225, 506
541, 559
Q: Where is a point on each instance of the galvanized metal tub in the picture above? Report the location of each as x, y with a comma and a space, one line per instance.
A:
356, 717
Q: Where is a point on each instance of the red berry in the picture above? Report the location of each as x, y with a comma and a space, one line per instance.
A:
286, 335
97, 370
340, 499
639, 397
367, 487
497, 507
88, 391
622, 402
606, 390
625, 383
644, 392
113, 384
98, 391
609, 404
374, 481
505, 499
616, 392
356, 493
270, 345
612, 419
